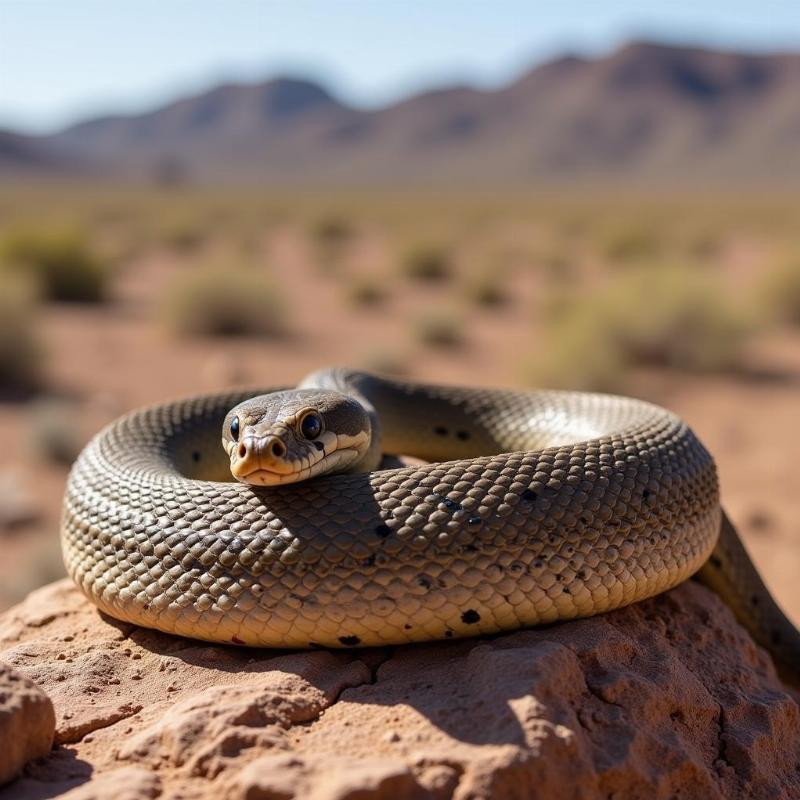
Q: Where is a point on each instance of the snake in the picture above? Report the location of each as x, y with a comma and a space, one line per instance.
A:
355, 510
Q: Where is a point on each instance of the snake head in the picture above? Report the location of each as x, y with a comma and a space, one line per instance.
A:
290, 436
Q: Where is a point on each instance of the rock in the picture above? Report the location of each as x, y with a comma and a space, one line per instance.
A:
128, 783
668, 698
27, 722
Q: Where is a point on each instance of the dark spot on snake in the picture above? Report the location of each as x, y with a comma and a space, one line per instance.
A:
448, 634
515, 567
440, 430
383, 531
462, 435
754, 600
716, 561
645, 494
776, 637
441, 583
451, 504
474, 521
424, 582
538, 564
196, 456
318, 444
406, 627
470, 616
569, 550
566, 590
529, 495
369, 561
469, 548
236, 546
236, 640
350, 641
581, 574
585, 520
315, 646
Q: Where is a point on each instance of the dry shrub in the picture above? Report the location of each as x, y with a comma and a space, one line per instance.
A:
366, 292
61, 261
332, 231
488, 291
662, 317
427, 263
55, 432
215, 301
780, 291
629, 241
439, 330
20, 350
184, 235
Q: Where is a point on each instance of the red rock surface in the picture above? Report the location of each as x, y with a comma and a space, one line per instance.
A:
27, 722
668, 698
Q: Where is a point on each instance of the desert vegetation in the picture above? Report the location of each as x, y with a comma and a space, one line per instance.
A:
59, 260
109, 300
20, 346
220, 300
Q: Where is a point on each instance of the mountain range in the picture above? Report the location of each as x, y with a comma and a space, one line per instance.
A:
646, 112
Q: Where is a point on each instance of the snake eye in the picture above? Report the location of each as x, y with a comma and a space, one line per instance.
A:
235, 429
311, 425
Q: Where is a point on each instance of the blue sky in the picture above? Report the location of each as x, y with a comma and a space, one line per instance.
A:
61, 60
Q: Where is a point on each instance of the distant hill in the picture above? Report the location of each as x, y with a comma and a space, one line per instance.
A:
646, 112
25, 156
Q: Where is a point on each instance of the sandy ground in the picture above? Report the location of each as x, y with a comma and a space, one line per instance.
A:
104, 361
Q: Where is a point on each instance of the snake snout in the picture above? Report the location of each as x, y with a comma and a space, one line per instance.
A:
259, 454
268, 446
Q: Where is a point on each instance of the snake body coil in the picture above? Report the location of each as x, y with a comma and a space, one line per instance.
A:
552, 505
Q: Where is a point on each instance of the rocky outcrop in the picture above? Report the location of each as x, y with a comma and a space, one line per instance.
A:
27, 722
668, 698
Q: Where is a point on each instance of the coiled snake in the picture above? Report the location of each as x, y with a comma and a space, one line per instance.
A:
535, 507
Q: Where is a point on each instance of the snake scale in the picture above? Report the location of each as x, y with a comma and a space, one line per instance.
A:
535, 507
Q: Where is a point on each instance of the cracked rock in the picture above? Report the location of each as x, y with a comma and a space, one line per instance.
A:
667, 698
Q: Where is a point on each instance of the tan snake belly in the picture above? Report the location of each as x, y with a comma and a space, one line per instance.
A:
557, 505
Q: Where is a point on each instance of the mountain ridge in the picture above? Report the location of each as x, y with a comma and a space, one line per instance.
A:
646, 111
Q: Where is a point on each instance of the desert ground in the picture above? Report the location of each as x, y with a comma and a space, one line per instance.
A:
116, 298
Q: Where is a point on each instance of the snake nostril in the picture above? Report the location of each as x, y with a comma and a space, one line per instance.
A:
242, 450
277, 449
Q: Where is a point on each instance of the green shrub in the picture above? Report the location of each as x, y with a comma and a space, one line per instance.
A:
661, 317
20, 350
780, 291
61, 262
427, 263
214, 301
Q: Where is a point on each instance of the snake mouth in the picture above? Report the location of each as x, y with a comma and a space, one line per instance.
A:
330, 453
267, 476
